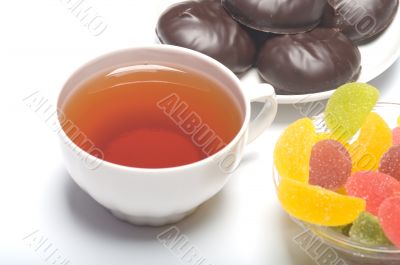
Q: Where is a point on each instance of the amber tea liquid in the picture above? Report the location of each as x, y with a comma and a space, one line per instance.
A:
151, 116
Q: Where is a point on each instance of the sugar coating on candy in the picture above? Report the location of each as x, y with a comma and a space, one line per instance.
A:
293, 149
317, 205
396, 136
342, 191
323, 136
330, 136
389, 217
330, 165
348, 108
374, 140
374, 187
367, 230
390, 162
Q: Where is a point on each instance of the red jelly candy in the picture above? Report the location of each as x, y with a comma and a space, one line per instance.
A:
389, 217
390, 162
330, 165
396, 136
374, 187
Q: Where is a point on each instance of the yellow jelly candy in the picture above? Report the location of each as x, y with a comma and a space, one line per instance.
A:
316, 205
324, 136
293, 150
342, 191
331, 136
374, 140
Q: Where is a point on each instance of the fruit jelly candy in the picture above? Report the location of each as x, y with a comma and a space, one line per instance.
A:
342, 191
374, 187
323, 136
374, 140
396, 136
330, 165
348, 108
343, 229
390, 162
389, 217
317, 205
367, 230
330, 136
293, 149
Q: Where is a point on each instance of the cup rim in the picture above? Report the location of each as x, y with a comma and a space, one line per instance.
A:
335, 238
162, 48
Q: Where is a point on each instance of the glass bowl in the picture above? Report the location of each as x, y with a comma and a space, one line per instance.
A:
348, 251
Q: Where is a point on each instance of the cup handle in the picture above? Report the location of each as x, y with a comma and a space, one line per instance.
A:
263, 93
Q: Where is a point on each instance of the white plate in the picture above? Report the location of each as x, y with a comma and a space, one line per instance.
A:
376, 57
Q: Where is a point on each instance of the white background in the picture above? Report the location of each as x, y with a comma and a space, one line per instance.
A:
42, 43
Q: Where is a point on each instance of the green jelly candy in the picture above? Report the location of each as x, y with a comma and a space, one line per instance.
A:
348, 108
367, 230
343, 229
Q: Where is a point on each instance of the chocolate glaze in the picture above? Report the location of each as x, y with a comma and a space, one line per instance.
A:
206, 27
259, 37
316, 61
359, 20
277, 16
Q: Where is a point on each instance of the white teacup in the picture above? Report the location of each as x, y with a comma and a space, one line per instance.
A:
160, 196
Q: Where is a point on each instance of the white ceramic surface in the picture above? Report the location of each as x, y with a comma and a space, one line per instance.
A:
160, 196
